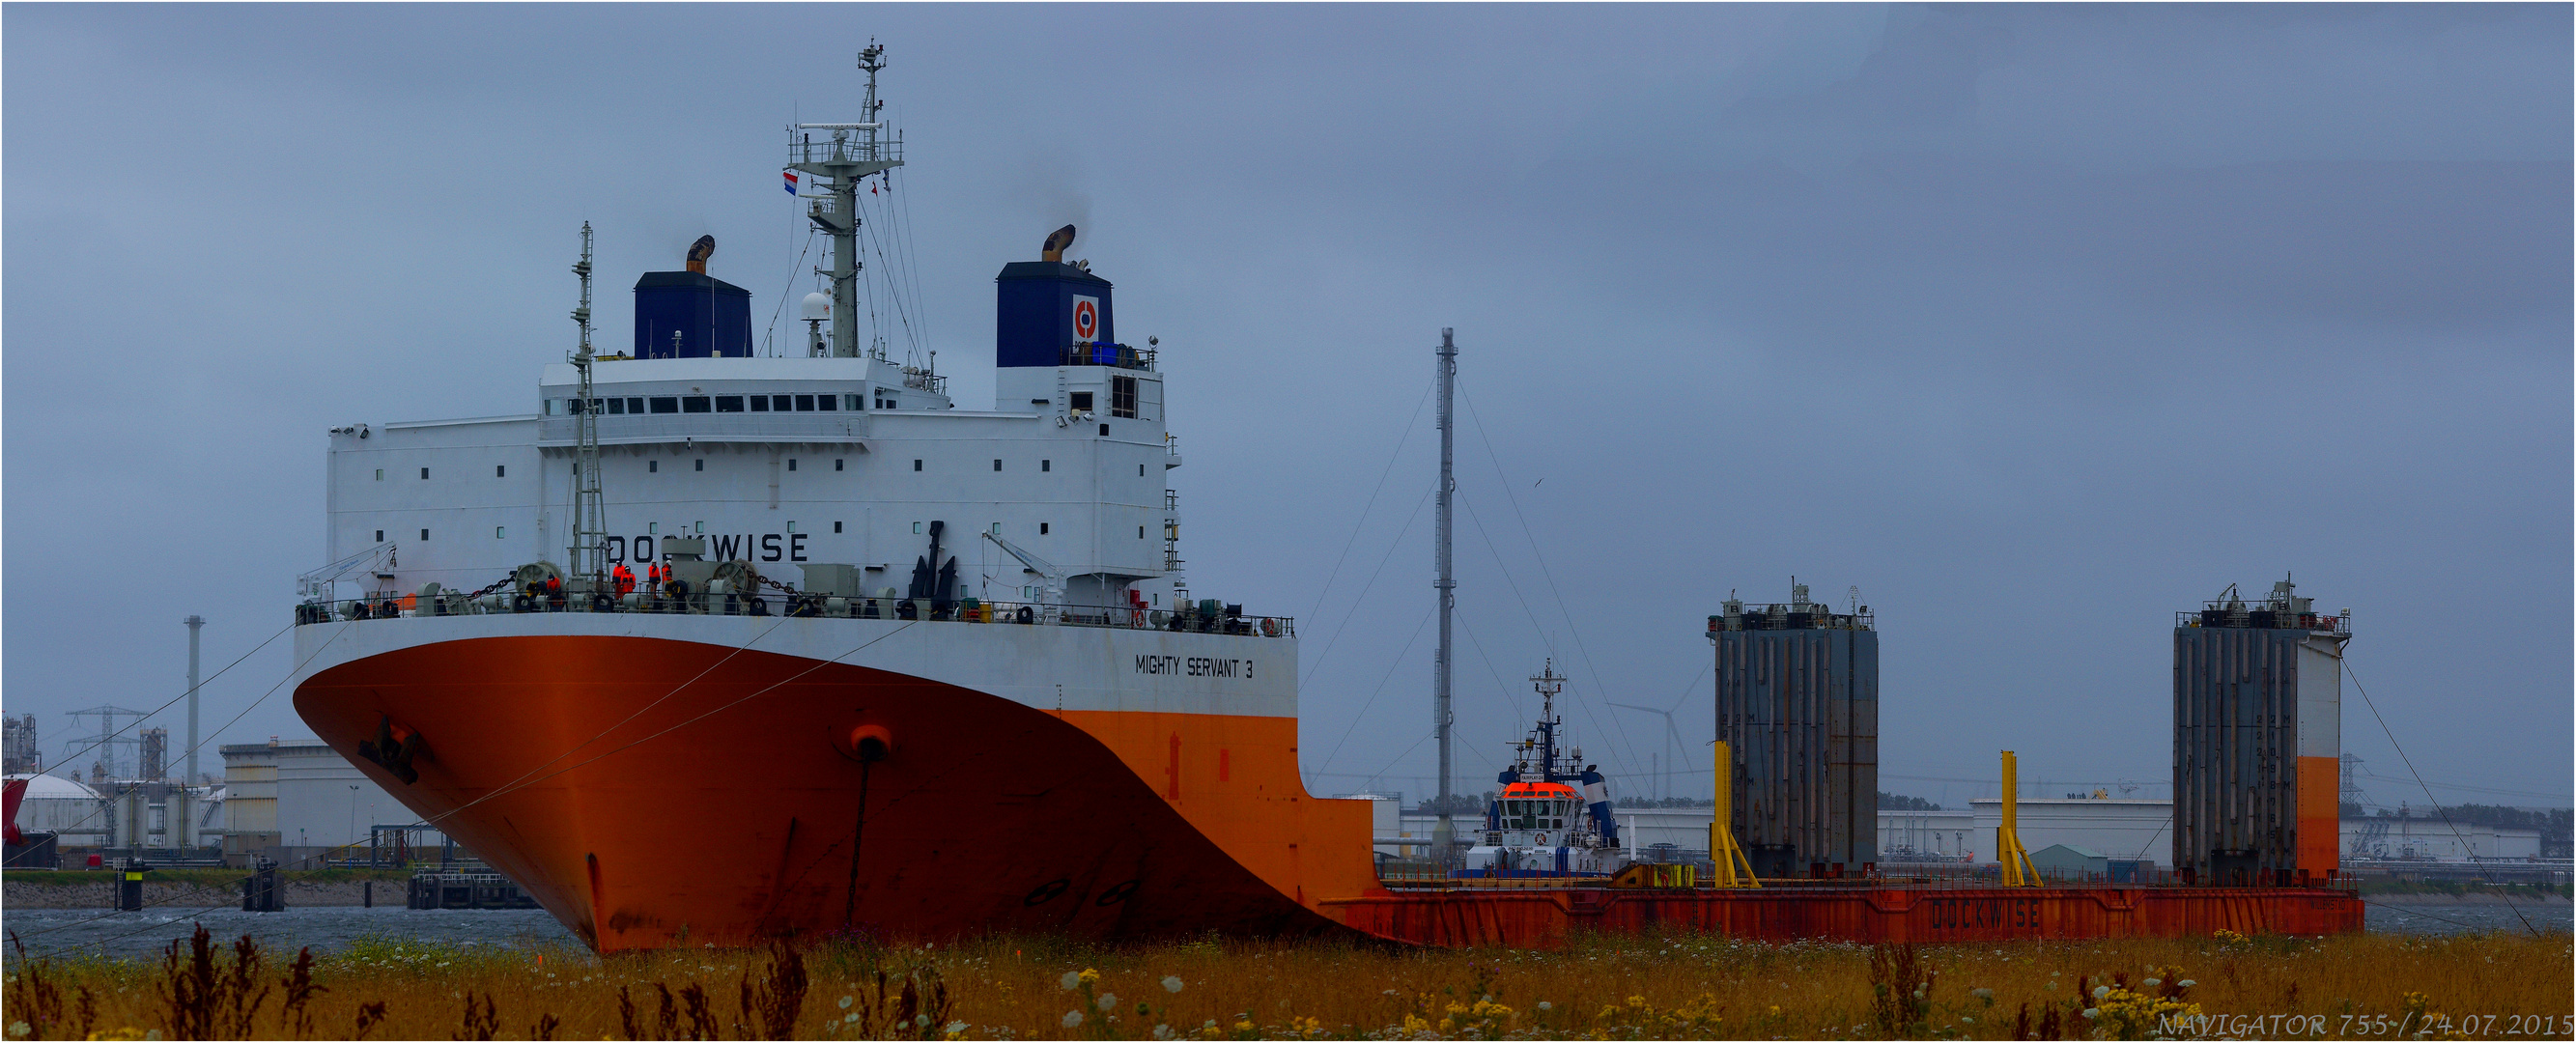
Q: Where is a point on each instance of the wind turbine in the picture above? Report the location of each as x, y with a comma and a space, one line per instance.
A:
1672, 742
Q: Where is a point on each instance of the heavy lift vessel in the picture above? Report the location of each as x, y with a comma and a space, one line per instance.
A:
867, 616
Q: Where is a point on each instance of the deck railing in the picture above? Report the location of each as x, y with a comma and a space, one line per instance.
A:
799, 605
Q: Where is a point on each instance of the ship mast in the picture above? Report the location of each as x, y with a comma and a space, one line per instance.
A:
855, 151
1548, 685
589, 517
1444, 835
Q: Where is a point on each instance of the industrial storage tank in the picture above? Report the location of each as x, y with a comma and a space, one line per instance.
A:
2258, 740
55, 804
1797, 702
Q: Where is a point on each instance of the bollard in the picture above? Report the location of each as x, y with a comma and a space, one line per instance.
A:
367, 898
261, 892
129, 887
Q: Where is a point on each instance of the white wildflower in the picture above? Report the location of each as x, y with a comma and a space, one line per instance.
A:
845, 1003
1987, 995
1072, 1018
1545, 1005
1070, 979
2153, 982
2100, 991
19, 1029
1171, 983
2092, 1012
2186, 983
1107, 1001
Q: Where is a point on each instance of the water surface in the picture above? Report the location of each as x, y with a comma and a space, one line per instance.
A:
145, 935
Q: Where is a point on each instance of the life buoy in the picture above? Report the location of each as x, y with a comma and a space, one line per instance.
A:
1542, 840
1269, 627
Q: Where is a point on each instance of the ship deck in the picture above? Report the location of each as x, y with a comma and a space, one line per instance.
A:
1463, 914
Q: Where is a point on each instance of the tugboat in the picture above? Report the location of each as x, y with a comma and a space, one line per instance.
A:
1551, 818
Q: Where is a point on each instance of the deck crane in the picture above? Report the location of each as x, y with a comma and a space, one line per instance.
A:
1050, 578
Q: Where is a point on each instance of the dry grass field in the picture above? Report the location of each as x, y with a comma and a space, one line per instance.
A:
1677, 987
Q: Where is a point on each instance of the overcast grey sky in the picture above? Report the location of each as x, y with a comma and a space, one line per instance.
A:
2035, 324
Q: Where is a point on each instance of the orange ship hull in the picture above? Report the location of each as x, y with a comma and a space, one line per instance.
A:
1852, 913
652, 792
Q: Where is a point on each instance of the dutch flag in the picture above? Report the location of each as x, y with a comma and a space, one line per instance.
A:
791, 181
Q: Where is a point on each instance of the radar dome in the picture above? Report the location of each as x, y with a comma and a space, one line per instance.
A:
818, 306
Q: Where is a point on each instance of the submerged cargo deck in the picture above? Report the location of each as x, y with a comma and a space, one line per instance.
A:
1864, 912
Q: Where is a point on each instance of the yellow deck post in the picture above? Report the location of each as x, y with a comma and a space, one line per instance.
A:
2018, 872
1733, 869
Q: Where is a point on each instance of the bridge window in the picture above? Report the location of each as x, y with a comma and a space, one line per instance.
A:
728, 403
666, 404
760, 403
1082, 401
1122, 397
693, 403
616, 406
827, 403
804, 403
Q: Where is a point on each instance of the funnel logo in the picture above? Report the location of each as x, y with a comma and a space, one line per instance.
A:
1086, 318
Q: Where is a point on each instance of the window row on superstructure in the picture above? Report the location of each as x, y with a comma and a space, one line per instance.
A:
643, 404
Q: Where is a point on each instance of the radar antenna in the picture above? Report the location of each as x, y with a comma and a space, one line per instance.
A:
589, 516
855, 151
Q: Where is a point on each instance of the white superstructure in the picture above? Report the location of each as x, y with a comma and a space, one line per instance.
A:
782, 461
